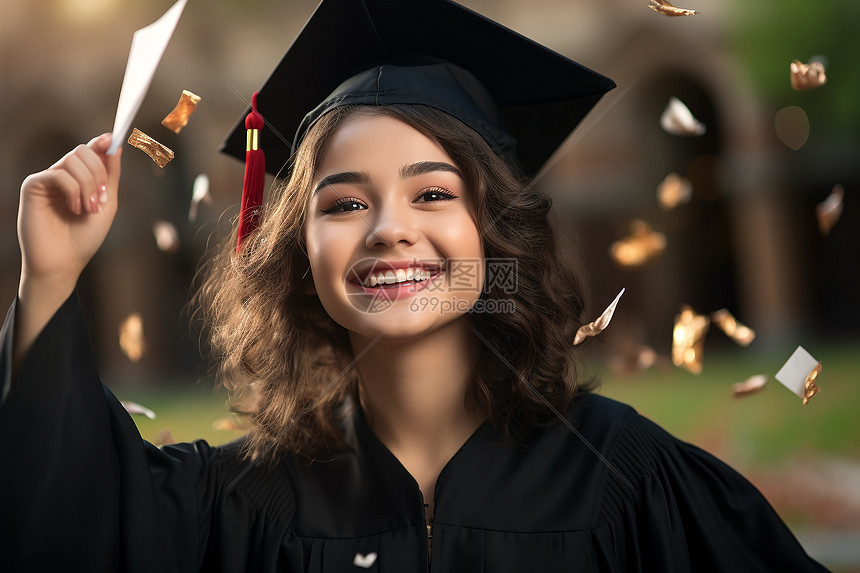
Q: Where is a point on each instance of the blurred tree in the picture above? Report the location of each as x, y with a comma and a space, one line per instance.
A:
769, 34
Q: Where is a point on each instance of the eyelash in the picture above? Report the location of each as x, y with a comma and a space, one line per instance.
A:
339, 203
447, 195
443, 193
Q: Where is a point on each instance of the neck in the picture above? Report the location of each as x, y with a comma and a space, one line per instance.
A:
414, 391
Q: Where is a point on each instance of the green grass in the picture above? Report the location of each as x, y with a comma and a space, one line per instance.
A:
765, 428
188, 413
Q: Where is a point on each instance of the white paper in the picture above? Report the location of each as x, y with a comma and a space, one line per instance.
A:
147, 47
677, 119
794, 372
200, 192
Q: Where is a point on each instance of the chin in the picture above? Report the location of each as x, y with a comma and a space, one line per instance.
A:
400, 326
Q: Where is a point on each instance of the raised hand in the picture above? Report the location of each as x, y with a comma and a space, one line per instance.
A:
64, 215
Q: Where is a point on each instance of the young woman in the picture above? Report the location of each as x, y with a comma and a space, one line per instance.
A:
408, 409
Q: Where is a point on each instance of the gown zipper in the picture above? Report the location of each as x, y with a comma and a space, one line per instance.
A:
429, 533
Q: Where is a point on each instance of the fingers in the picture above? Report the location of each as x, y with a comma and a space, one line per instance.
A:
95, 175
86, 178
111, 163
89, 174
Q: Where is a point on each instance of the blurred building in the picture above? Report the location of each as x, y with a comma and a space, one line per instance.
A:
747, 240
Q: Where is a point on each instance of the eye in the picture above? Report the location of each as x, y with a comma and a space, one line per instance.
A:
433, 195
345, 205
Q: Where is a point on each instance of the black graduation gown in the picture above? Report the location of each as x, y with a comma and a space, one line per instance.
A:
82, 491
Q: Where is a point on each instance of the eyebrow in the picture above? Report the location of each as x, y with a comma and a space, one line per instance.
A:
407, 171
423, 167
353, 177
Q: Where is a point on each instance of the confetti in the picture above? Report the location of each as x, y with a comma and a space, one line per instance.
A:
636, 249
807, 76
135, 408
596, 327
156, 151
178, 118
166, 236
663, 7
688, 339
829, 210
798, 374
364, 561
131, 339
634, 359
749, 386
674, 190
164, 438
227, 425
200, 192
677, 119
724, 320
792, 126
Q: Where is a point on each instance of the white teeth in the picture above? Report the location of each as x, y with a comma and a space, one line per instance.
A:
396, 276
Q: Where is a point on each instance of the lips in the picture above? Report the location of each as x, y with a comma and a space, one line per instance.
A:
392, 273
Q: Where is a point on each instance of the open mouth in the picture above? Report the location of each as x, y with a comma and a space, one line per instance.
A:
384, 276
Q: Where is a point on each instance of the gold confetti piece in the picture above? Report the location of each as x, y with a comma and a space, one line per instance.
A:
749, 386
135, 408
792, 126
799, 373
663, 7
829, 210
674, 190
131, 339
164, 438
677, 119
178, 118
157, 152
200, 192
636, 249
596, 327
724, 320
807, 76
688, 339
227, 425
810, 388
166, 236
632, 360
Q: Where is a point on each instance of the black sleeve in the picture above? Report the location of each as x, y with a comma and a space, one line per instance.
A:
688, 511
79, 489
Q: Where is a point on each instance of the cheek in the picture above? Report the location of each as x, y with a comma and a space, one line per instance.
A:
461, 232
321, 252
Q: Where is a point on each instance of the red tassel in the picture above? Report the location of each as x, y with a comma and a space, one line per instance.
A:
255, 176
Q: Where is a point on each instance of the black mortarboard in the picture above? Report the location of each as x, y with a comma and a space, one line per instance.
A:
541, 95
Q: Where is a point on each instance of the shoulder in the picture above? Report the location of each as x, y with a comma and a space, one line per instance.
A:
624, 431
634, 447
226, 476
599, 420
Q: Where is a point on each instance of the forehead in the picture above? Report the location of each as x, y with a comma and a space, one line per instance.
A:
365, 141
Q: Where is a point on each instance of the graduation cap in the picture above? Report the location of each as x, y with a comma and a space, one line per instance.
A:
521, 97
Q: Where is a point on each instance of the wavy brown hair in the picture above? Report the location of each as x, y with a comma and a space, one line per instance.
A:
288, 366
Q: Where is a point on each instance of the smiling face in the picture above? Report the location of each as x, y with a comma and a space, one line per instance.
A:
392, 244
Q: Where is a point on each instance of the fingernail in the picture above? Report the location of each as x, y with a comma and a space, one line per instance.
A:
103, 196
94, 206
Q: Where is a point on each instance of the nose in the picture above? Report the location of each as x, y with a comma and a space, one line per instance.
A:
393, 225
